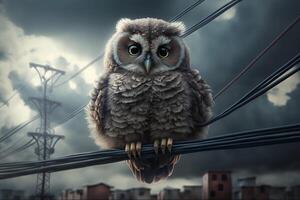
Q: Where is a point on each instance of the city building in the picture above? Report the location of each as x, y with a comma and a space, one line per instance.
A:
248, 190
120, 195
277, 193
246, 182
191, 192
153, 197
169, 194
217, 185
293, 193
245, 188
9, 194
65, 194
97, 191
140, 193
90, 192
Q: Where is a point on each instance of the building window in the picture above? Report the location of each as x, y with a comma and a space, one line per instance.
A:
262, 189
220, 187
122, 196
212, 194
224, 177
141, 193
214, 177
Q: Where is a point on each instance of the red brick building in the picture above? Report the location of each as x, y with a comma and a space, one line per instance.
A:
217, 185
98, 191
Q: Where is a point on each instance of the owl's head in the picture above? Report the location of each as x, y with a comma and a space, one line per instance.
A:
147, 46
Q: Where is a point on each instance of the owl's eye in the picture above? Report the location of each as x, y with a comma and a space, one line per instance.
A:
134, 50
163, 52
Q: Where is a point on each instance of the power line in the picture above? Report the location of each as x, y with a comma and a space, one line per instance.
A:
4, 167
186, 10
19, 149
71, 115
104, 153
210, 17
81, 70
17, 129
245, 139
255, 59
42, 137
10, 98
271, 81
12, 146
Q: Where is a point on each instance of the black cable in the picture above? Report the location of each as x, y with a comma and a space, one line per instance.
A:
80, 71
12, 146
17, 128
17, 150
209, 18
11, 97
71, 115
186, 10
119, 155
260, 89
256, 58
236, 137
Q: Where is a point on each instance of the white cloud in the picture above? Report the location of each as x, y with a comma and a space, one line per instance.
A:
279, 95
228, 15
72, 85
19, 49
90, 76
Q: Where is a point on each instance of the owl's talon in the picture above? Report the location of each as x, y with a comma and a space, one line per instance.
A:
163, 145
170, 144
127, 150
133, 149
156, 146
138, 148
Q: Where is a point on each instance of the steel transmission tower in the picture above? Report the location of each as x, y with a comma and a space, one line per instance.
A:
44, 136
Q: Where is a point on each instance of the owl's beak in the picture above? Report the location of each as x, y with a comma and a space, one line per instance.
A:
147, 63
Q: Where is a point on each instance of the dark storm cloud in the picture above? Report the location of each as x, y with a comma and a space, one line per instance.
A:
92, 21
219, 50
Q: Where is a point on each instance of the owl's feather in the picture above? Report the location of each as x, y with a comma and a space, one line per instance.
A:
127, 108
160, 27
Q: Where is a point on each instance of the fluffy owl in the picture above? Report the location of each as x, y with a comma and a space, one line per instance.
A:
149, 94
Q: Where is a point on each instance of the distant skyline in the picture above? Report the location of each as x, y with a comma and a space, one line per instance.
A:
69, 34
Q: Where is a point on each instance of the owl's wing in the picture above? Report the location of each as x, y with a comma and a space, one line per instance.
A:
202, 99
97, 107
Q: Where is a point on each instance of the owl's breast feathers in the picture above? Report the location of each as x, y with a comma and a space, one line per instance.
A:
127, 107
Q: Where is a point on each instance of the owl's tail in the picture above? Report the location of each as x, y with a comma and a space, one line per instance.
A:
153, 169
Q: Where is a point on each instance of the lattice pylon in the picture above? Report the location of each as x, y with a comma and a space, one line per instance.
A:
44, 136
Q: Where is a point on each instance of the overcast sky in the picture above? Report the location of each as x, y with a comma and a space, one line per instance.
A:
67, 34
